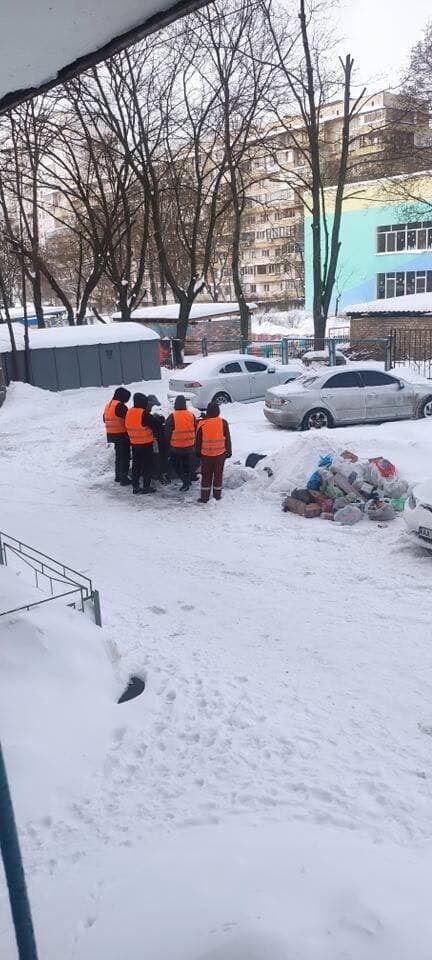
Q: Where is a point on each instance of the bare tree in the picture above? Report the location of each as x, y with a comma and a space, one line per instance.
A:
162, 109
25, 135
238, 64
308, 79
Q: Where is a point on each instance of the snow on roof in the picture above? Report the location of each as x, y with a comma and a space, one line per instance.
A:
413, 303
47, 41
199, 311
17, 313
74, 336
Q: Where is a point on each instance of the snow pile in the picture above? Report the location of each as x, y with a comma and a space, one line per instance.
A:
268, 797
293, 323
57, 699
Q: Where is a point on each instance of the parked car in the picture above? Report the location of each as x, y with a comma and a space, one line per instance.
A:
320, 358
418, 514
229, 377
357, 395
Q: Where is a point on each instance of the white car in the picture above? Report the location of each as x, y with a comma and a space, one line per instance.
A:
354, 395
229, 377
418, 514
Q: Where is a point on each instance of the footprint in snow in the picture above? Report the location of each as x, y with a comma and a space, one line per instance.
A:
158, 610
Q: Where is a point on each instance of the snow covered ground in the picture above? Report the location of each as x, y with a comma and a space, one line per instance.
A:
268, 797
290, 323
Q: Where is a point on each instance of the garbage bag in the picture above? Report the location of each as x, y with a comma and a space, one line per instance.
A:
398, 503
254, 458
395, 488
314, 482
379, 470
349, 515
386, 468
348, 501
332, 492
326, 461
302, 495
380, 510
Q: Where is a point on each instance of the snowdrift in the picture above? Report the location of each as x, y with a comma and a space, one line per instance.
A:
57, 700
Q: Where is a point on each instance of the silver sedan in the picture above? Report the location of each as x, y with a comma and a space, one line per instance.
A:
229, 377
356, 395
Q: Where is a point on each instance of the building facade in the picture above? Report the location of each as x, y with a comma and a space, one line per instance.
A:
386, 241
274, 240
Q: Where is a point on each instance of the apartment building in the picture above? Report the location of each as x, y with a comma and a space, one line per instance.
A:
384, 134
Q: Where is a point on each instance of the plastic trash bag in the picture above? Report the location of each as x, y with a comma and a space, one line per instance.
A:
314, 482
380, 510
326, 461
395, 488
348, 516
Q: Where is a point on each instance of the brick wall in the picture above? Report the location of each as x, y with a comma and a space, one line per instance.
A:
220, 334
365, 328
224, 334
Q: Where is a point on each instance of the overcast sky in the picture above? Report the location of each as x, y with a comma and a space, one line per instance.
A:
380, 34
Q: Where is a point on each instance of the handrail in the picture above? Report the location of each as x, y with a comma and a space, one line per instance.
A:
54, 571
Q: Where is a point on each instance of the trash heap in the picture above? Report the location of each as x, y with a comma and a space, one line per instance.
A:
346, 489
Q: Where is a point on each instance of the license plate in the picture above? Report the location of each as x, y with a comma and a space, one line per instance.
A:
425, 533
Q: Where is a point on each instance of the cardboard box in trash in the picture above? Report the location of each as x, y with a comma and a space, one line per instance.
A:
308, 510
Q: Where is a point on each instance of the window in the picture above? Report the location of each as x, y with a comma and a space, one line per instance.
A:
405, 236
265, 253
231, 368
374, 378
342, 380
266, 287
260, 234
401, 284
254, 367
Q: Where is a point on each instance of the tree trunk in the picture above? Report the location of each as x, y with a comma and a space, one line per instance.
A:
153, 287
10, 328
238, 286
125, 308
37, 298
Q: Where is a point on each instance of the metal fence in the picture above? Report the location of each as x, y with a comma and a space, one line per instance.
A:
333, 348
413, 348
57, 575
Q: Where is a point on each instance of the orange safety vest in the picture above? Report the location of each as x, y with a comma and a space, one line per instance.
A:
183, 434
213, 437
138, 434
113, 424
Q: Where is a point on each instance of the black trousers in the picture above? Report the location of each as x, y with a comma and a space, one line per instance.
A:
122, 458
182, 461
142, 465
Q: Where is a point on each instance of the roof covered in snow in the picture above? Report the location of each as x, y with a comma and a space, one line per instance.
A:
74, 336
199, 311
47, 41
420, 303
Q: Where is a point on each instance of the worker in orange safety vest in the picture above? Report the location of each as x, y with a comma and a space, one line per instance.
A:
180, 434
213, 446
114, 417
142, 430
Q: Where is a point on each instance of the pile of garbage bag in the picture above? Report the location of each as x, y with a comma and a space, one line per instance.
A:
346, 489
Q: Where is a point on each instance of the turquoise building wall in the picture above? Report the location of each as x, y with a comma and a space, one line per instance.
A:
359, 263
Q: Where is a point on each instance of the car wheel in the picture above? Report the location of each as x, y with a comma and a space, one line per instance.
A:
426, 408
317, 419
221, 397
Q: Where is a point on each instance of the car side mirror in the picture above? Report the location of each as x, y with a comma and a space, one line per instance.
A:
271, 369
401, 385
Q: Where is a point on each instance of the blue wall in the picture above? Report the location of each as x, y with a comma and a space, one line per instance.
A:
359, 263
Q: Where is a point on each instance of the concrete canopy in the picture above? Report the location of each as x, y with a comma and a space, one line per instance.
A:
45, 42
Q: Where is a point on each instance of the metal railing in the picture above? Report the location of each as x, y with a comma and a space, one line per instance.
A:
413, 348
53, 572
295, 348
